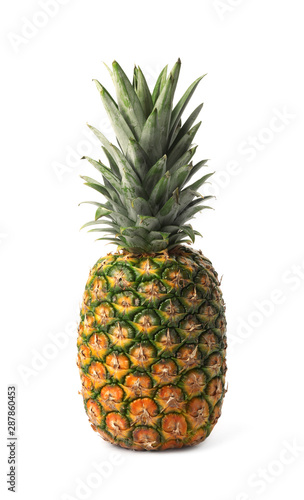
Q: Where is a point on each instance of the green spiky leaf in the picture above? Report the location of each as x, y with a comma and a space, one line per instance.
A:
145, 183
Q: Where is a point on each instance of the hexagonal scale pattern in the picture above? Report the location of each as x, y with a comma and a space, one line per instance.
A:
151, 349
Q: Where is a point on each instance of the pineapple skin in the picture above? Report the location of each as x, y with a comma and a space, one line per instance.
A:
152, 349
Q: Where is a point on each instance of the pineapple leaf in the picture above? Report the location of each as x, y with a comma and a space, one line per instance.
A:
93, 222
196, 168
111, 205
137, 157
90, 181
182, 146
171, 229
111, 161
196, 185
186, 198
178, 177
102, 212
107, 192
120, 126
128, 101
189, 213
160, 83
142, 90
97, 187
156, 235
121, 219
179, 241
96, 203
188, 229
150, 140
141, 206
106, 172
130, 182
170, 209
137, 242
160, 191
159, 245
177, 238
103, 230
149, 223
183, 160
109, 70
179, 133
181, 105
156, 172
164, 105
135, 231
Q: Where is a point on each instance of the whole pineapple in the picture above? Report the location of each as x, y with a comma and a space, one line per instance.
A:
152, 332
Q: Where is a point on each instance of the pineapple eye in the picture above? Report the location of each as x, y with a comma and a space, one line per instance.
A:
120, 276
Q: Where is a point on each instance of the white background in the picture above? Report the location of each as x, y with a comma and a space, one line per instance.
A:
253, 54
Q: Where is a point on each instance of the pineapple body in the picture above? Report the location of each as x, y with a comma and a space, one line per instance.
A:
151, 348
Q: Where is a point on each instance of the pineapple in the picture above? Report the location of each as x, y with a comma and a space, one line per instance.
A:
151, 343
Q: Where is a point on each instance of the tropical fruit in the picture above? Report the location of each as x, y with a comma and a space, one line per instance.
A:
152, 332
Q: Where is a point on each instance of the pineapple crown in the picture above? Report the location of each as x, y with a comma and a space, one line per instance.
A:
147, 201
